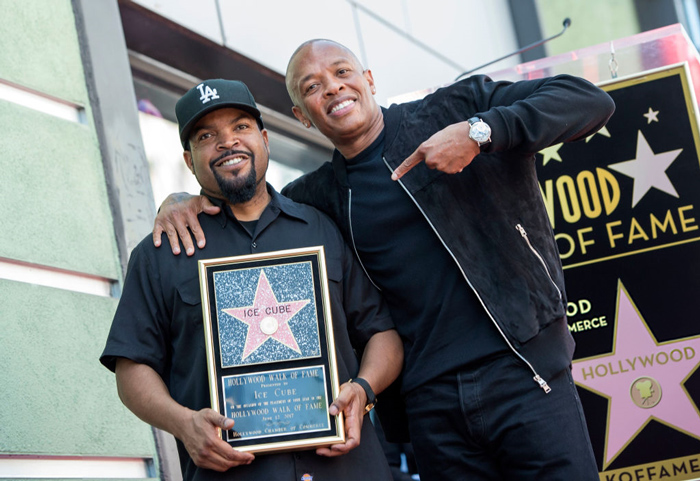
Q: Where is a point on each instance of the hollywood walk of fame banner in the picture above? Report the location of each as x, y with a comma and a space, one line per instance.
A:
625, 207
270, 349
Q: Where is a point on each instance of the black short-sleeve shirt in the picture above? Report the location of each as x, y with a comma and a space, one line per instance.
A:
159, 323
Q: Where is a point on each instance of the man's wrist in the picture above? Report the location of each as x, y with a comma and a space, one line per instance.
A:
371, 399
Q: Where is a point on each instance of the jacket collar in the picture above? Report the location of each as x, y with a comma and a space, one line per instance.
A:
392, 120
340, 168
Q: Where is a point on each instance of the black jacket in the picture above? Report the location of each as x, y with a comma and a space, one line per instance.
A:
491, 216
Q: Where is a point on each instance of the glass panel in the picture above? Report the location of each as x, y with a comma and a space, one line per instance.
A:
633, 54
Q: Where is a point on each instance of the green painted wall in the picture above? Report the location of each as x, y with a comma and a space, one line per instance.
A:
55, 210
55, 397
54, 199
40, 48
592, 22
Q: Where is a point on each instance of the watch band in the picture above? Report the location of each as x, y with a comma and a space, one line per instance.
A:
371, 398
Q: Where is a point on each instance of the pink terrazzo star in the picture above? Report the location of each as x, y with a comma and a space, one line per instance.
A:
267, 318
642, 378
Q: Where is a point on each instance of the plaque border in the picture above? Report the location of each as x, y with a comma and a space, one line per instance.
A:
336, 433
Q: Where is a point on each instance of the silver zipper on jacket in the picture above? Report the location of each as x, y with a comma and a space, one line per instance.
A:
352, 237
521, 229
541, 382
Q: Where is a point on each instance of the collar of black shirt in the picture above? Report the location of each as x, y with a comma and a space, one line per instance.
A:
278, 203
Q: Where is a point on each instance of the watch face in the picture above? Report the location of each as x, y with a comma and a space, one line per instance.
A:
480, 131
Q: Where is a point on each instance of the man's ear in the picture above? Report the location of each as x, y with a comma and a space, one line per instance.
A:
263, 132
187, 155
370, 80
301, 117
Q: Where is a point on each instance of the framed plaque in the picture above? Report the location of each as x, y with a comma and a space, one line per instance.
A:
270, 349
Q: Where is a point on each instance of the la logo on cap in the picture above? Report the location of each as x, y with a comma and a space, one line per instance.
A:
207, 93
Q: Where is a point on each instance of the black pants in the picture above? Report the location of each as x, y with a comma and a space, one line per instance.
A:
493, 422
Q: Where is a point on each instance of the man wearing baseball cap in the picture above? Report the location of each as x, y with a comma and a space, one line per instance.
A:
156, 343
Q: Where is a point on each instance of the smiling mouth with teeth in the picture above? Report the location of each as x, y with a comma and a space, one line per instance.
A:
234, 161
341, 105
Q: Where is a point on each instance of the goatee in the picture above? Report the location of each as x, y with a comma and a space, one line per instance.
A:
238, 191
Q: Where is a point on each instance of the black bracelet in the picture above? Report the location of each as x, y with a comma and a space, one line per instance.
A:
371, 398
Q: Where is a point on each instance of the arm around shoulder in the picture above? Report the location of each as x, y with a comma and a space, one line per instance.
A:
177, 216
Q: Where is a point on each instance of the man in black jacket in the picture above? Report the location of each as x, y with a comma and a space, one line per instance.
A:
440, 201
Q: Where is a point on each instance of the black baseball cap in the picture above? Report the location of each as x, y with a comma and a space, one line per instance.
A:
211, 95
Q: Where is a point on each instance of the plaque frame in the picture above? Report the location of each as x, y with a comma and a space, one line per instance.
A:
249, 365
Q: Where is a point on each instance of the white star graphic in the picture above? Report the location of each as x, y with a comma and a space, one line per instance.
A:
603, 131
648, 170
651, 116
551, 152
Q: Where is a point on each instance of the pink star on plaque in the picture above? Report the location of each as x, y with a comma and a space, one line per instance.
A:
642, 378
267, 318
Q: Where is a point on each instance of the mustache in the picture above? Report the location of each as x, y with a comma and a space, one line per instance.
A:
228, 153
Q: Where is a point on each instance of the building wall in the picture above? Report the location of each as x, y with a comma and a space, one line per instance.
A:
396, 39
59, 259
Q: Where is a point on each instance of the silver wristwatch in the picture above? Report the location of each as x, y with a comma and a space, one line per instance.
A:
479, 131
